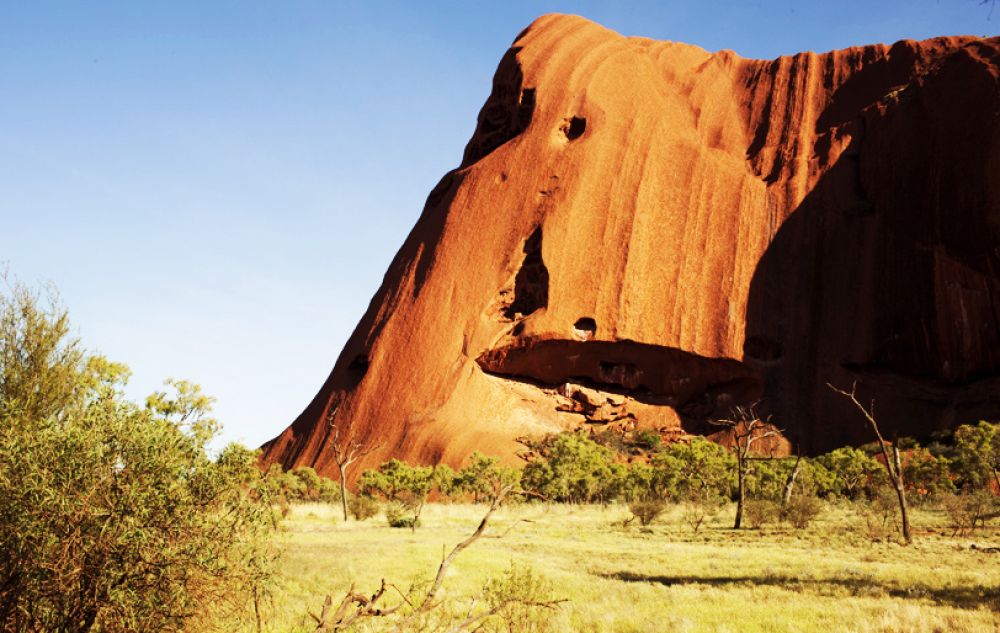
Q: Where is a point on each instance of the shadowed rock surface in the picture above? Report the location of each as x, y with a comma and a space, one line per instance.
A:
648, 234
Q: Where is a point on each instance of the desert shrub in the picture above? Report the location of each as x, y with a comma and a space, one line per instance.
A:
760, 512
398, 515
927, 475
648, 440
362, 507
696, 469
300, 484
447, 482
647, 510
400, 483
700, 507
569, 467
114, 516
517, 596
329, 490
765, 478
483, 477
854, 472
969, 510
880, 515
637, 482
800, 510
975, 456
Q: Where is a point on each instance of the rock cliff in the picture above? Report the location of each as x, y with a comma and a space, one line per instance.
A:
645, 234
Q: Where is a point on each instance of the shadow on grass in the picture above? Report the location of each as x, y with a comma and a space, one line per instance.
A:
963, 597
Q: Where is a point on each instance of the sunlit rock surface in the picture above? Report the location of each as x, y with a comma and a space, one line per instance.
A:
646, 234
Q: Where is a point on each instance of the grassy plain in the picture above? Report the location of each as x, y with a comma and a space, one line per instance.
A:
830, 576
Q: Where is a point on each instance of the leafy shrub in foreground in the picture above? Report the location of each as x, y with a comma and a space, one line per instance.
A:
518, 597
113, 516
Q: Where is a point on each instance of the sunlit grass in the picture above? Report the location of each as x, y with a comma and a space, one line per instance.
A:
828, 577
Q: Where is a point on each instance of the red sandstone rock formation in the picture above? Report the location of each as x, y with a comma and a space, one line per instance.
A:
647, 234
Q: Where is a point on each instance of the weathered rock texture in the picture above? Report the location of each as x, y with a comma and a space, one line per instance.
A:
646, 234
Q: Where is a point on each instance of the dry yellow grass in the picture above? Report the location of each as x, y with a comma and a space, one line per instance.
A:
828, 577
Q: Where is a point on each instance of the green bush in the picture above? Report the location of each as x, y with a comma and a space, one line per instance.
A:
517, 596
482, 477
647, 510
362, 507
114, 516
648, 440
700, 507
976, 456
397, 515
854, 472
569, 467
760, 512
970, 510
801, 510
400, 484
697, 470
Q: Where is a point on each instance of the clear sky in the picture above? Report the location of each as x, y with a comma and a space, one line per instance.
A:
217, 187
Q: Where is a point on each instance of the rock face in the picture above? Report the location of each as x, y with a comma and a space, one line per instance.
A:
646, 234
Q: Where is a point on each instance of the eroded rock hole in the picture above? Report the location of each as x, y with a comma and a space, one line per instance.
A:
357, 368
574, 127
584, 329
359, 365
531, 284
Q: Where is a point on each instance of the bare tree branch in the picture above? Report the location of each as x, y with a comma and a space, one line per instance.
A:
346, 452
331, 621
747, 429
893, 465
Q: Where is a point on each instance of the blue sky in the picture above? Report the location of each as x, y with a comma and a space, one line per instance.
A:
217, 187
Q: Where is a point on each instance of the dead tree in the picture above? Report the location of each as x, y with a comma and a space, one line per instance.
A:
346, 451
354, 606
747, 429
893, 465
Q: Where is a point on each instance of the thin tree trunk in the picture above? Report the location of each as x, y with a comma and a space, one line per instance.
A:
790, 482
343, 491
893, 465
901, 495
741, 495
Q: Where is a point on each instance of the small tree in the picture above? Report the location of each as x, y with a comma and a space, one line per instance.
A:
747, 429
977, 455
568, 467
346, 451
697, 468
401, 483
853, 470
893, 466
114, 516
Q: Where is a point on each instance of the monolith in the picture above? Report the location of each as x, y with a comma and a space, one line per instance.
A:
644, 234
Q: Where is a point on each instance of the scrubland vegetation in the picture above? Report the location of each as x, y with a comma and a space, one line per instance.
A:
830, 576
115, 516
